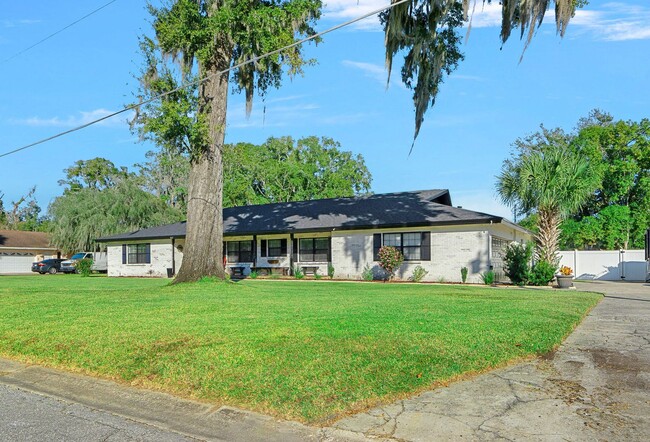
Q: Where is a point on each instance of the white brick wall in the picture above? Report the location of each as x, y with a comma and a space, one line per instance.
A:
452, 247
450, 250
161, 259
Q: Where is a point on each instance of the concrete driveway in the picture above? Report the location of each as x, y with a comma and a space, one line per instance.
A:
595, 387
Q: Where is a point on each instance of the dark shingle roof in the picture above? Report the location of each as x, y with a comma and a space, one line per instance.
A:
19, 239
402, 209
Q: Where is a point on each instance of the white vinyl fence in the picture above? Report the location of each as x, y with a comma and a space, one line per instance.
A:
607, 265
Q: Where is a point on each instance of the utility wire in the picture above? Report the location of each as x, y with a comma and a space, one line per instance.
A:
199, 81
57, 32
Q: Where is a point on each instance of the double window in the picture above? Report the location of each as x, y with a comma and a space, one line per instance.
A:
415, 246
239, 251
314, 249
138, 254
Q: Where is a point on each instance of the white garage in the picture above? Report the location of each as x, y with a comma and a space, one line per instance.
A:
18, 250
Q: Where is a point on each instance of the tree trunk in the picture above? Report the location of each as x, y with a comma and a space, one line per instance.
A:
548, 236
203, 250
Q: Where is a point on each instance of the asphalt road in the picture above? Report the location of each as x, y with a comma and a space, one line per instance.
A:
26, 416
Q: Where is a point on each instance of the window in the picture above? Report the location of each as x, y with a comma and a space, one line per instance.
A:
411, 246
240, 251
139, 254
314, 249
275, 247
415, 246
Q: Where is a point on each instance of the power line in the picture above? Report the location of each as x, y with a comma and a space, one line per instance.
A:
199, 81
57, 32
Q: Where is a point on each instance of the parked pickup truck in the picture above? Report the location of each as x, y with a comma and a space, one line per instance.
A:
100, 263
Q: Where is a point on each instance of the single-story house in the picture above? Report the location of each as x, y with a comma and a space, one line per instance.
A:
18, 250
345, 233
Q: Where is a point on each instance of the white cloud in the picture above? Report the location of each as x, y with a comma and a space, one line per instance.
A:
610, 22
370, 70
614, 22
342, 10
375, 72
13, 23
72, 120
270, 114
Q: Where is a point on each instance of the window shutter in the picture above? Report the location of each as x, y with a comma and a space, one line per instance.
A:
147, 253
329, 249
425, 251
283, 247
123, 253
224, 250
263, 248
294, 249
376, 245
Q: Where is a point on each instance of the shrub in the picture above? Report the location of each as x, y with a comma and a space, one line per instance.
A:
254, 274
516, 262
418, 273
317, 275
84, 266
330, 270
488, 277
298, 273
367, 274
463, 274
390, 259
542, 273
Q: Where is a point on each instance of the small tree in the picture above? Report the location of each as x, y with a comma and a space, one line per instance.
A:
517, 262
390, 259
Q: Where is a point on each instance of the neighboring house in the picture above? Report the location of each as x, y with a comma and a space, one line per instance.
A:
346, 232
18, 250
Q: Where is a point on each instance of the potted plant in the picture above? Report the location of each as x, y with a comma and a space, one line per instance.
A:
565, 278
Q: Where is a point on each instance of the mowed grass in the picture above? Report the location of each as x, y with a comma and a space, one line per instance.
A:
304, 350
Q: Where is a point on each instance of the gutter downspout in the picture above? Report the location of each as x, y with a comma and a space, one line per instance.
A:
173, 255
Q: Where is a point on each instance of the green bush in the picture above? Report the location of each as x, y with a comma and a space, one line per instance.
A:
418, 273
516, 262
542, 273
317, 275
488, 277
254, 274
367, 273
463, 274
330, 270
298, 273
390, 259
84, 266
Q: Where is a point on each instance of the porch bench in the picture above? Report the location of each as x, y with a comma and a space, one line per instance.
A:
309, 270
237, 271
267, 271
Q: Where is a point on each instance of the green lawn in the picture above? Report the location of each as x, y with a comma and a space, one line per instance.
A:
299, 350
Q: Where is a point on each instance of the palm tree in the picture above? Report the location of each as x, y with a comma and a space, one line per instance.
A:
554, 183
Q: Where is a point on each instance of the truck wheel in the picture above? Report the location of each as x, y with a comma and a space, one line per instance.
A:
52, 271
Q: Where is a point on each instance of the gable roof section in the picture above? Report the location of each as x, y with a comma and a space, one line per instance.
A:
17, 239
388, 210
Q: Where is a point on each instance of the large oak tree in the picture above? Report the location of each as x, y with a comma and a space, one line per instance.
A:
208, 37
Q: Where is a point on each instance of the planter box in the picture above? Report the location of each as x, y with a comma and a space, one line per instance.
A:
564, 281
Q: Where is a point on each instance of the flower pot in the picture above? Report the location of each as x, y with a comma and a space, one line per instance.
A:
564, 281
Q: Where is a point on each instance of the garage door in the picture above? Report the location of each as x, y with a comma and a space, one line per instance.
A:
16, 262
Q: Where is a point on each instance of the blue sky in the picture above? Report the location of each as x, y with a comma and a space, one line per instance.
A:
87, 70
